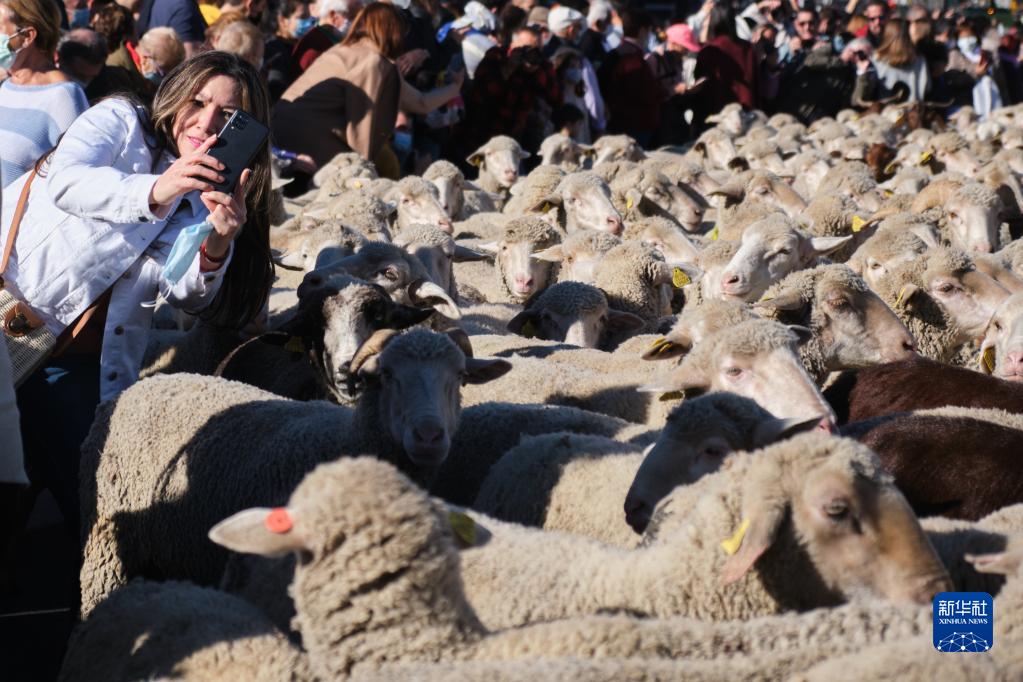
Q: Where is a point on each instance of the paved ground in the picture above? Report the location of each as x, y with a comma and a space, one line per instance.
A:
35, 611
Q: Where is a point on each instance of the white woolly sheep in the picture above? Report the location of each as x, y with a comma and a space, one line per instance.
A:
578, 254
824, 485
888, 247
519, 273
616, 148
854, 180
459, 198
306, 243
498, 161
408, 411
418, 204
637, 280
541, 182
1004, 341
584, 202
770, 249
645, 192
573, 313
564, 152
970, 213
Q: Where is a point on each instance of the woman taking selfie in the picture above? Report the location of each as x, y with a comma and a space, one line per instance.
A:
102, 213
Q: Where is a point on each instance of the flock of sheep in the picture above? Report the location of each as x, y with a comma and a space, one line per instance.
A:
731, 412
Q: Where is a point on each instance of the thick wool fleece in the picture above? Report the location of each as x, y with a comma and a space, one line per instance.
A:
570, 298
363, 211
149, 630
577, 484
541, 183
732, 222
523, 575
630, 276
807, 283
931, 327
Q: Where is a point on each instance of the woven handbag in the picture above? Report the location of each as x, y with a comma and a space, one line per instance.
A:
29, 342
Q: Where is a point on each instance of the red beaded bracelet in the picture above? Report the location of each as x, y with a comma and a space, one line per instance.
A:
207, 256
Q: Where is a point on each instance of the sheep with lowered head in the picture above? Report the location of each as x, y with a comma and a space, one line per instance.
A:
306, 243
645, 192
578, 483
584, 202
969, 213
458, 197
851, 326
781, 511
573, 313
562, 151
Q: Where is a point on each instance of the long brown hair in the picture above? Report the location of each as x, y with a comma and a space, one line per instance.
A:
246, 285
896, 46
381, 24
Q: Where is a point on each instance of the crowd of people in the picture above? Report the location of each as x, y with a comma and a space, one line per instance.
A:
424, 80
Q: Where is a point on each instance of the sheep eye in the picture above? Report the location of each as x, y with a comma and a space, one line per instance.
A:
997, 326
733, 372
838, 303
875, 266
836, 509
761, 190
712, 451
946, 288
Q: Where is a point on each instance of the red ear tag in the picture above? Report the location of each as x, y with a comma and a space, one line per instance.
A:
278, 521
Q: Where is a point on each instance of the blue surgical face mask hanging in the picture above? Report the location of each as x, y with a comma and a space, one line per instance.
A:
183, 252
7, 55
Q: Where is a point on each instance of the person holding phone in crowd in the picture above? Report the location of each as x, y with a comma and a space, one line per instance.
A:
103, 210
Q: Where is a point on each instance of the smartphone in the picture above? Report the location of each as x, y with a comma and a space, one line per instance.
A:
236, 147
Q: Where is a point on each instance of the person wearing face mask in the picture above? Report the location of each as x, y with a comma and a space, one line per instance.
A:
591, 44
293, 22
567, 27
37, 101
159, 51
335, 18
95, 247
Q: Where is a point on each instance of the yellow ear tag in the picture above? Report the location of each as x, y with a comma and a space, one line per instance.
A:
713, 234
476, 162
295, 345
732, 544
890, 168
898, 299
357, 184
989, 359
671, 395
546, 207
659, 345
765, 299
858, 223
463, 527
679, 278
629, 203
528, 329
925, 157
888, 193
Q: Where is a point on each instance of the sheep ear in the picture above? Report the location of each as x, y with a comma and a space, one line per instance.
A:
524, 323
907, 293
480, 371
732, 193
1008, 562
476, 158
773, 429
552, 254
489, 248
822, 246
677, 275
463, 254
430, 293
260, 530
523, 154
633, 198
619, 320
753, 537
545, 204
285, 260
674, 345
788, 300
926, 235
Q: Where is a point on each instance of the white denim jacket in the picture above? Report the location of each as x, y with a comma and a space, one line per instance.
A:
88, 227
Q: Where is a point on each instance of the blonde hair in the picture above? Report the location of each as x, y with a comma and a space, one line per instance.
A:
243, 39
43, 16
165, 47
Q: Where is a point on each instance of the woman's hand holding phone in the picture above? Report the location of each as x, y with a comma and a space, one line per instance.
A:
190, 172
227, 215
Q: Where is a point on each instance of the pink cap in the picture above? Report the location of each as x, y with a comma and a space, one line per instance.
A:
681, 34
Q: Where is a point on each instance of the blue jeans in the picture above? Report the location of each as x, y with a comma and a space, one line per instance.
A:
57, 404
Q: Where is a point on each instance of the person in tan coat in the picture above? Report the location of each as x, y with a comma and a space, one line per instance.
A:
347, 100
